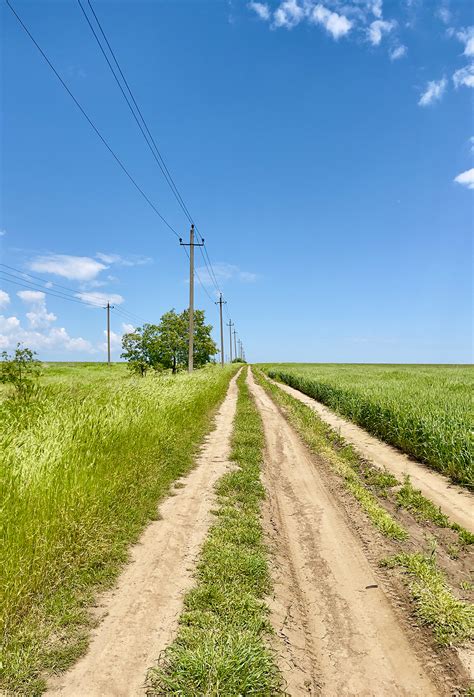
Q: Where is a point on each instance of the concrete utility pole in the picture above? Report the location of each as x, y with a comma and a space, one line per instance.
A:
235, 343
221, 302
108, 307
191, 246
230, 324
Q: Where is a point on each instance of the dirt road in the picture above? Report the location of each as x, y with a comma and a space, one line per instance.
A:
342, 636
141, 613
455, 501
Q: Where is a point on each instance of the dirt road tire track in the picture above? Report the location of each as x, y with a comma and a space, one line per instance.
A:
343, 636
141, 613
454, 501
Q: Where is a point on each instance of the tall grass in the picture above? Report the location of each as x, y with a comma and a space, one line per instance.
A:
84, 466
426, 411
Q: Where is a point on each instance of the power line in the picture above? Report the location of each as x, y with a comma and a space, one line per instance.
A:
36, 287
115, 156
148, 135
158, 156
92, 124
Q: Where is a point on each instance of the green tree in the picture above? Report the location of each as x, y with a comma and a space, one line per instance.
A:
21, 370
134, 352
166, 345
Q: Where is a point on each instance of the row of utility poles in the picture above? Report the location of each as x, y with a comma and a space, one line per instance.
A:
232, 333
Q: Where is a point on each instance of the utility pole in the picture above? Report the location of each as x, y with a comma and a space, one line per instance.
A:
191, 246
230, 324
240, 349
108, 307
235, 343
221, 302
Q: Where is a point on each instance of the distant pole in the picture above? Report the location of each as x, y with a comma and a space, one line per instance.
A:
191, 246
230, 324
221, 302
108, 307
235, 342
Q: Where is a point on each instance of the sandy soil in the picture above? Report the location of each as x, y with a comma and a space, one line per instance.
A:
141, 613
340, 633
455, 501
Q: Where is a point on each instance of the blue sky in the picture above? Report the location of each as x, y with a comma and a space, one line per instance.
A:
325, 151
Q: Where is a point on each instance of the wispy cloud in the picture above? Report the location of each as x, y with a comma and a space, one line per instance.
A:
433, 92
100, 299
4, 298
444, 14
73, 268
466, 37
335, 24
261, 8
464, 76
132, 260
38, 316
225, 272
288, 14
378, 29
466, 178
397, 52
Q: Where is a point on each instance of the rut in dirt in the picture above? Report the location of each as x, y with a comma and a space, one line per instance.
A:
455, 501
140, 615
341, 634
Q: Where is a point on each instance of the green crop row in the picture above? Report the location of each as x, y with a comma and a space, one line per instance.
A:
83, 468
426, 411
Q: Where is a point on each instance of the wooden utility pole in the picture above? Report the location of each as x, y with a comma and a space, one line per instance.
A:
108, 307
221, 302
230, 324
235, 342
191, 246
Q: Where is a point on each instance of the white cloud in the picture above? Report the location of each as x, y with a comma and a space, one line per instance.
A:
433, 92
38, 317
464, 76
4, 298
378, 29
100, 299
67, 266
133, 260
377, 8
397, 52
225, 272
54, 338
444, 14
288, 14
466, 36
261, 8
31, 296
2, 233
335, 24
128, 328
466, 178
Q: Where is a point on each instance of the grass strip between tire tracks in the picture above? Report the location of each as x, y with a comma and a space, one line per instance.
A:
222, 645
451, 619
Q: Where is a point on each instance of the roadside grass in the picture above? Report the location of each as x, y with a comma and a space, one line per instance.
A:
342, 458
423, 509
451, 619
222, 643
425, 410
83, 468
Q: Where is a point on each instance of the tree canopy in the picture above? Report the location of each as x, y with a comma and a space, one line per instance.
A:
165, 345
